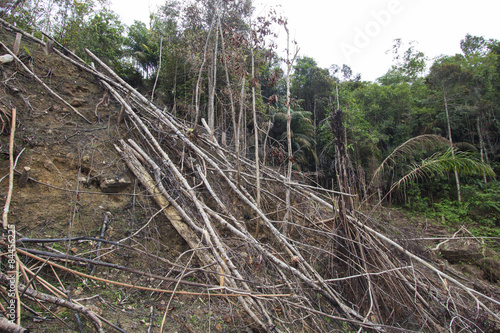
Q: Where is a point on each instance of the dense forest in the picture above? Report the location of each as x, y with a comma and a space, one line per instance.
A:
424, 137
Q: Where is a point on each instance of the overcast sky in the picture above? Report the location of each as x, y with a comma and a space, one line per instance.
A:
360, 32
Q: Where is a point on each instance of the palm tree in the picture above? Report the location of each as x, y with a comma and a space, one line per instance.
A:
441, 164
302, 136
437, 165
143, 47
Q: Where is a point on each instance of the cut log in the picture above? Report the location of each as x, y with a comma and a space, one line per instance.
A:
25, 175
122, 110
6, 58
49, 47
10, 327
17, 44
169, 211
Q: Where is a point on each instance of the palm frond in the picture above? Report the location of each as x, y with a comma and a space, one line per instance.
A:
465, 146
440, 164
408, 149
304, 140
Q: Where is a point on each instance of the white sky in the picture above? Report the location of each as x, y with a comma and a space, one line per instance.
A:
359, 32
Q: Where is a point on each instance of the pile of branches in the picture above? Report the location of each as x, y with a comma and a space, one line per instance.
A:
318, 269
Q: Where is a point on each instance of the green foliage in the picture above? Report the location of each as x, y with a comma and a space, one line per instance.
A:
362, 138
409, 65
77, 25
312, 85
303, 142
389, 110
441, 164
30, 17
451, 212
74, 18
27, 51
144, 47
63, 19
103, 35
479, 210
473, 45
484, 200
407, 152
468, 83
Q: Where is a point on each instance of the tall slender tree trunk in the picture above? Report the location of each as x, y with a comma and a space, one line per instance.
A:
65, 15
198, 81
264, 145
174, 108
228, 82
212, 80
238, 131
316, 140
256, 138
158, 70
482, 147
288, 208
459, 190
244, 128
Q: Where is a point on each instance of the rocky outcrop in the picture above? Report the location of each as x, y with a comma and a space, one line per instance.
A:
114, 184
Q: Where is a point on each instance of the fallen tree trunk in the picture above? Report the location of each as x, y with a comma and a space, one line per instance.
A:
168, 210
4, 280
6, 326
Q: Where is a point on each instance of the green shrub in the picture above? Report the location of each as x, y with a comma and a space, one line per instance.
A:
479, 209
